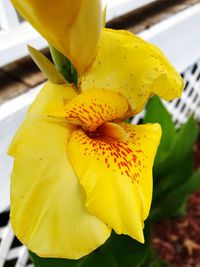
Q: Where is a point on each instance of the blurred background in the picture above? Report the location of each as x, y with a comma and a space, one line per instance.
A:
172, 25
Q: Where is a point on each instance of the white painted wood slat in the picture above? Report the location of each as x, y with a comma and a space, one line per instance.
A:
8, 16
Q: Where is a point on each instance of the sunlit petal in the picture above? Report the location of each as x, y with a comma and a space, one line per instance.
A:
47, 202
73, 27
92, 108
51, 96
127, 64
117, 175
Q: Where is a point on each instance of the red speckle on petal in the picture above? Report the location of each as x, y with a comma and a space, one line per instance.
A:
113, 153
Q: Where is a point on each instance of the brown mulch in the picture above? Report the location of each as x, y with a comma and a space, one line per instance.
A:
177, 241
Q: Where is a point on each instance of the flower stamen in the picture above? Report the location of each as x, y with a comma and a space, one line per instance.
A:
113, 130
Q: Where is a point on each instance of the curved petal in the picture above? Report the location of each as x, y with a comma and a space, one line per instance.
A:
47, 202
92, 108
73, 28
51, 97
118, 177
127, 64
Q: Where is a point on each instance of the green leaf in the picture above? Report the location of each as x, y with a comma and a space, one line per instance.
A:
64, 66
182, 210
50, 262
178, 175
184, 140
46, 66
153, 260
157, 113
158, 263
99, 258
58, 58
104, 15
74, 75
127, 251
175, 198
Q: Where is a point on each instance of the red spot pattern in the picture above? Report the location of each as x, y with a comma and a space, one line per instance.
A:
118, 156
92, 108
93, 115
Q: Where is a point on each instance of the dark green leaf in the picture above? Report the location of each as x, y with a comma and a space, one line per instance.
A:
153, 260
172, 202
157, 263
127, 251
178, 175
74, 75
182, 146
64, 66
157, 113
48, 262
99, 258
182, 210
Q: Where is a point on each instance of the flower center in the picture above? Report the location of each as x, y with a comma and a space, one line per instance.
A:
112, 130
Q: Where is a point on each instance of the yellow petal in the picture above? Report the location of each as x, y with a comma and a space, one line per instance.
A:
51, 97
47, 202
92, 108
72, 27
145, 139
127, 64
171, 89
117, 175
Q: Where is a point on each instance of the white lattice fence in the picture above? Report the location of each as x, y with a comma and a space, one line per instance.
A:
12, 253
190, 101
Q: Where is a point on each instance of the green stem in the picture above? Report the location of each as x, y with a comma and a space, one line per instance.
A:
57, 57
104, 16
64, 65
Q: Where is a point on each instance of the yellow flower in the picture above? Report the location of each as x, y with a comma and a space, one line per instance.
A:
74, 29
71, 185
79, 171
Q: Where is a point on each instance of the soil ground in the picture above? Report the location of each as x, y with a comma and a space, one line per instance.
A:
177, 241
